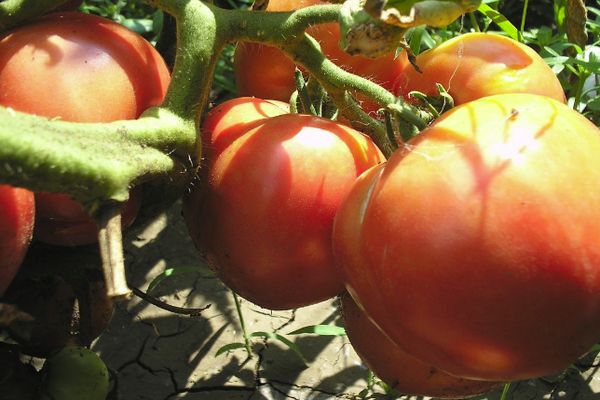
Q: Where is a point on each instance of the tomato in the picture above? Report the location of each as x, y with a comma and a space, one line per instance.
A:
475, 247
476, 65
223, 125
17, 212
62, 221
397, 368
264, 219
266, 72
231, 119
81, 68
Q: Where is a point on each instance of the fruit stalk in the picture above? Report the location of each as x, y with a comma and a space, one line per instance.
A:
111, 252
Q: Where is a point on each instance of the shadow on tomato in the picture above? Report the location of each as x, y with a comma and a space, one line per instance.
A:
398, 369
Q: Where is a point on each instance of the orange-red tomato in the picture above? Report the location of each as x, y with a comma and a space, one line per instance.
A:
17, 211
266, 72
231, 119
476, 65
398, 369
264, 218
475, 247
223, 125
81, 68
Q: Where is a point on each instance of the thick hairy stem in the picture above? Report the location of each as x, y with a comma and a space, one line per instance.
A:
198, 48
91, 161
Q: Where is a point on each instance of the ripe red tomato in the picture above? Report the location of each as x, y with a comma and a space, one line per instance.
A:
17, 212
231, 119
264, 218
475, 65
82, 68
223, 125
475, 248
266, 72
397, 368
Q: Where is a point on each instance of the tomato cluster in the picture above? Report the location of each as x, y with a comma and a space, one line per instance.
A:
466, 259
471, 251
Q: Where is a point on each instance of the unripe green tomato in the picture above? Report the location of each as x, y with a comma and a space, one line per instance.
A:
75, 373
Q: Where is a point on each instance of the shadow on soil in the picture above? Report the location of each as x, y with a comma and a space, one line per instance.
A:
155, 354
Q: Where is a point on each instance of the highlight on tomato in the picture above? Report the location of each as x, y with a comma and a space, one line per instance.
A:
81, 68
475, 247
475, 65
264, 217
17, 213
398, 369
266, 72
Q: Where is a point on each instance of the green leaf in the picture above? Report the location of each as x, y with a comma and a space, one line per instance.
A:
284, 340
500, 20
141, 26
168, 273
321, 330
230, 347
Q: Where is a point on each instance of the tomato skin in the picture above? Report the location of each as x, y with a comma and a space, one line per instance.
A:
80, 68
224, 124
17, 213
64, 222
475, 247
397, 368
475, 65
264, 220
266, 72
231, 119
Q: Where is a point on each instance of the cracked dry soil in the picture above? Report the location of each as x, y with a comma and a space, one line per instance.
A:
158, 355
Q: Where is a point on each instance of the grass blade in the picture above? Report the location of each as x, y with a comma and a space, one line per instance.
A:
284, 340
321, 330
230, 347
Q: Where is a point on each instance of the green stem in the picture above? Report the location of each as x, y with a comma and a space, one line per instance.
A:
581, 78
505, 390
284, 30
474, 22
95, 161
523, 18
363, 121
407, 114
240, 314
196, 58
389, 128
305, 100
